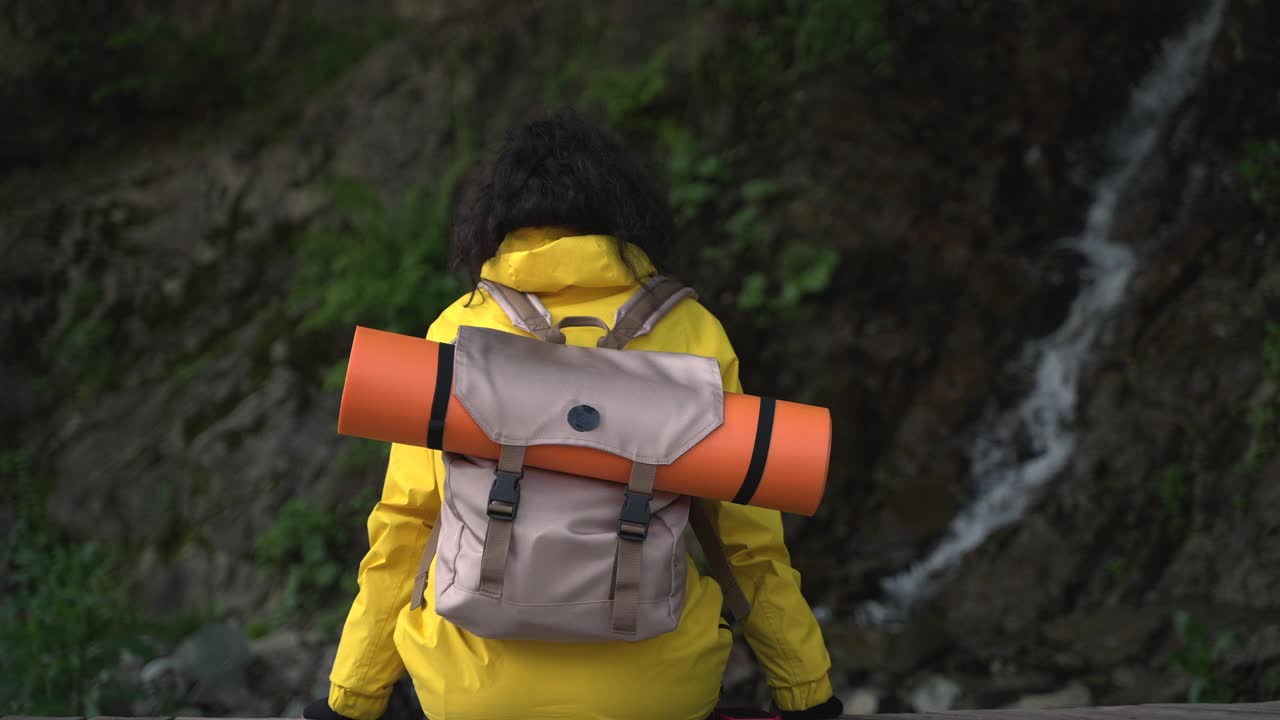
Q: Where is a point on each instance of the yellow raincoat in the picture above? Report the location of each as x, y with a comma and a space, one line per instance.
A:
674, 676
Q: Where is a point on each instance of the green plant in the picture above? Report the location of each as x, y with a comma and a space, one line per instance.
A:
14, 463
155, 64
797, 269
361, 453
64, 619
329, 50
1263, 418
1200, 659
152, 65
385, 264
1264, 436
1172, 486
83, 349
1269, 685
1271, 352
625, 93
158, 72
750, 227
1261, 172
304, 544
784, 41
695, 175
828, 32
804, 270
1117, 568
65, 623
584, 28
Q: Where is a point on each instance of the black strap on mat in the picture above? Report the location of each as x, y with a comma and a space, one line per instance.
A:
440, 400
759, 452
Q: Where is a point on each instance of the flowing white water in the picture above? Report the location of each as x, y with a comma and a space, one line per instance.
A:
1005, 480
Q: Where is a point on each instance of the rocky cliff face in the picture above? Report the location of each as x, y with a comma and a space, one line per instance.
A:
154, 370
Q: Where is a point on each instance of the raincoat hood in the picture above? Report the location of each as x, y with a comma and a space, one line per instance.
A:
549, 259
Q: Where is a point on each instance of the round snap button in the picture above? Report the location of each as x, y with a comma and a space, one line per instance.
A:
584, 418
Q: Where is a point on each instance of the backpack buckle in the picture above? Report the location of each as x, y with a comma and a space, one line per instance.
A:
633, 524
504, 496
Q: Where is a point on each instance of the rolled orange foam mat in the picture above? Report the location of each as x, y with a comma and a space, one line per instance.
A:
767, 453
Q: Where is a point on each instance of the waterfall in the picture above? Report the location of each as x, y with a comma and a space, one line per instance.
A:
1004, 479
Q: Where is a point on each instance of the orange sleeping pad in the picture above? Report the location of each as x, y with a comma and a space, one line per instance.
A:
768, 453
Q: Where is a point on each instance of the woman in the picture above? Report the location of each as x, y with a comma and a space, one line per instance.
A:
566, 213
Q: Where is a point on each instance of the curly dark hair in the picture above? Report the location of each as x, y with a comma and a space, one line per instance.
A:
563, 171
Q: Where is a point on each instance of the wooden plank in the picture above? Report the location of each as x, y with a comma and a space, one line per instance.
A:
1243, 711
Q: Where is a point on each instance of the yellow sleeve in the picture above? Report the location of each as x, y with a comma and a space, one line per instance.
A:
367, 664
781, 629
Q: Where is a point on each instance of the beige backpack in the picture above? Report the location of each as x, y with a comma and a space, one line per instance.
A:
523, 552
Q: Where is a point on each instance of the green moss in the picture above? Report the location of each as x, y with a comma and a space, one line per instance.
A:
81, 354
1271, 352
1263, 418
1173, 483
1260, 170
1264, 437
1117, 569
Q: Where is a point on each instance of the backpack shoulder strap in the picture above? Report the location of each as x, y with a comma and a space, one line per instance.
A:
635, 317
524, 310
642, 311
736, 604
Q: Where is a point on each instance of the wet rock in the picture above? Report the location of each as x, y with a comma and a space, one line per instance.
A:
1136, 685
1269, 286
865, 647
208, 669
285, 665
861, 701
1073, 695
294, 708
1107, 636
1058, 283
859, 647
290, 668
1003, 684
988, 602
216, 660
1259, 647
933, 693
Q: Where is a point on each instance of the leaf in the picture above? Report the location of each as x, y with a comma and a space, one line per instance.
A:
1222, 644
761, 189
1195, 692
752, 294
1182, 624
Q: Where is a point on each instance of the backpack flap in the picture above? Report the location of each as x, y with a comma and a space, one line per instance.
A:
648, 407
